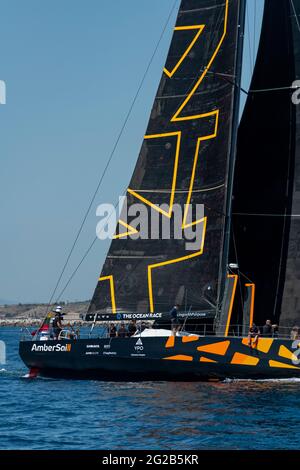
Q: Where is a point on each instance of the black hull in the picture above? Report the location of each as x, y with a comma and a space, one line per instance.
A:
201, 359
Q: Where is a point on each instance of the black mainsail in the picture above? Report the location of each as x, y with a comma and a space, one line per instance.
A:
266, 207
185, 159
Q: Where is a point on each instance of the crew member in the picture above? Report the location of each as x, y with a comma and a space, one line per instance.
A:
174, 319
267, 329
112, 330
253, 336
122, 332
132, 328
295, 332
57, 322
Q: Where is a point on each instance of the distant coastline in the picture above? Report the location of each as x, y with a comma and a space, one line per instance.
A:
26, 315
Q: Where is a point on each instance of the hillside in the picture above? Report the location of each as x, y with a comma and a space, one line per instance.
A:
34, 313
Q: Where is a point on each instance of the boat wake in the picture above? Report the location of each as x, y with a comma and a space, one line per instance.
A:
11, 373
289, 380
27, 376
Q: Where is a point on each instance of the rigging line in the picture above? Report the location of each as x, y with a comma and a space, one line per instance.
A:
226, 79
249, 39
112, 153
78, 266
228, 75
265, 215
246, 277
86, 253
286, 222
295, 13
237, 261
178, 191
254, 32
264, 90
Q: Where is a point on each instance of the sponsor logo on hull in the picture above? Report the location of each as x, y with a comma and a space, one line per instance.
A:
139, 348
51, 347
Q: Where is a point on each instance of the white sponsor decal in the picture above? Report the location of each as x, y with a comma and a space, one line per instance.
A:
141, 316
51, 347
296, 354
139, 346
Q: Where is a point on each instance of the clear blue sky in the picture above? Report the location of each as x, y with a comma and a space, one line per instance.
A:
71, 68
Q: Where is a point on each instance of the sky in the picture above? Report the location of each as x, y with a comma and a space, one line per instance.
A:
72, 68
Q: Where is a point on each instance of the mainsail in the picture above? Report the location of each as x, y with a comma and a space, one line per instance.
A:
185, 160
266, 207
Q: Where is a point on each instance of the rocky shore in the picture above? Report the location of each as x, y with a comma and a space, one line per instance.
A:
31, 315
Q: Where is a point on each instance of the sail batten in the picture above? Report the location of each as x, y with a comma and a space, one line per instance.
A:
182, 164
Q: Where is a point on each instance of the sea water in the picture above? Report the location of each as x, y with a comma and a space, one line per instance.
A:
86, 414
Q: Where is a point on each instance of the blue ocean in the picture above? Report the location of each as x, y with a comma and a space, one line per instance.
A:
74, 414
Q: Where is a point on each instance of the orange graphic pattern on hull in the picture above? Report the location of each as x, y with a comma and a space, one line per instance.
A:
243, 359
205, 359
179, 357
170, 342
189, 339
281, 365
216, 348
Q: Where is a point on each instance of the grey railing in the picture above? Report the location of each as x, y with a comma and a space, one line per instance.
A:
104, 330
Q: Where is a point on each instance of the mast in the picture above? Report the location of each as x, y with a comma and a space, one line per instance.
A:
233, 146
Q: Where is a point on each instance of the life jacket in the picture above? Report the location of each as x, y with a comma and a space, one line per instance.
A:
55, 322
253, 330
